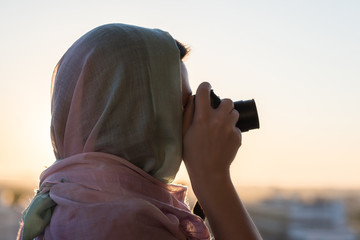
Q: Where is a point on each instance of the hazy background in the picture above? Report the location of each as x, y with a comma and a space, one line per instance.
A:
300, 61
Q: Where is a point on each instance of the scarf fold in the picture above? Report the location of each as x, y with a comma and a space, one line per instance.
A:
102, 196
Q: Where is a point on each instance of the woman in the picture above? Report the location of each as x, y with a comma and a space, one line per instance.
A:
116, 128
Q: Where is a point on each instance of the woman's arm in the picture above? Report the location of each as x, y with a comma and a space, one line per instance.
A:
211, 141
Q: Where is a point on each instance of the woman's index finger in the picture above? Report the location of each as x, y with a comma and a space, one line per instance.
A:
202, 100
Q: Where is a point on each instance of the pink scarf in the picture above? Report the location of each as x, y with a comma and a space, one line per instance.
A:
101, 196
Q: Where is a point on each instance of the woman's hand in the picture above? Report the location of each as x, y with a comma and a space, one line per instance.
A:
210, 137
210, 143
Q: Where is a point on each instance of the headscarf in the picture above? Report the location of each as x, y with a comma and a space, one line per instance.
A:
116, 132
118, 90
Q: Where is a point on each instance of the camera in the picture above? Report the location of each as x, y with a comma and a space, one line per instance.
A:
248, 115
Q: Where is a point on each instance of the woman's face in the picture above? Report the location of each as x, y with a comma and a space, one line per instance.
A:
186, 90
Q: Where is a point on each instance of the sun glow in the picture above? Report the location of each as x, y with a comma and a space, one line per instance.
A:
299, 61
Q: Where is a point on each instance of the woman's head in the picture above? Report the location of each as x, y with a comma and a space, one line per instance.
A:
118, 90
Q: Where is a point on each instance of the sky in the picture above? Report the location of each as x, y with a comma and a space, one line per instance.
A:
299, 60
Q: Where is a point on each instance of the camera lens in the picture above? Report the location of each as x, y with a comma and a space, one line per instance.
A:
248, 116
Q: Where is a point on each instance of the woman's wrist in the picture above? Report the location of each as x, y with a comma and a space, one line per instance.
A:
205, 184
223, 208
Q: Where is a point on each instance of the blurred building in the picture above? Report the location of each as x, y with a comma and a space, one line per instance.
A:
9, 216
293, 219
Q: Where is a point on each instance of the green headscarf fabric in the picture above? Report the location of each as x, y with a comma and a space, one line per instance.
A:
118, 90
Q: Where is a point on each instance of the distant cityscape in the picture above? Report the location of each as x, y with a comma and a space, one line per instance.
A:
10, 215
279, 214
294, 219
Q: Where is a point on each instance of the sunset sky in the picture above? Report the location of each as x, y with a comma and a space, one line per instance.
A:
300, 61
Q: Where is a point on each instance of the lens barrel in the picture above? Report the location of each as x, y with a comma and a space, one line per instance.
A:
248, 115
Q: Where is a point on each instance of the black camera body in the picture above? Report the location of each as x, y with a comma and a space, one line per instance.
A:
248, 115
